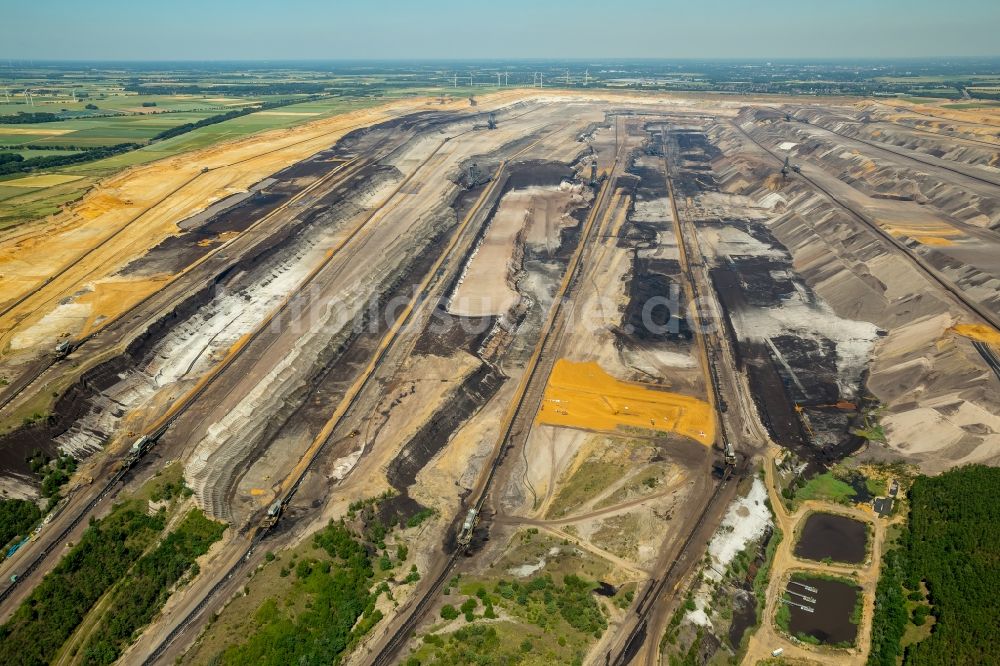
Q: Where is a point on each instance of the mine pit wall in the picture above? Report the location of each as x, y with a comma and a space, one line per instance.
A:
858, 276
322, 368
305, 403
78, 400
746, 283
201, 232
874, 176
466, 400
858, 125
74, 404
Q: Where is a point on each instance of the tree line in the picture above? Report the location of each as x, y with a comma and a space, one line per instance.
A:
13, 163
22, 165
952, 545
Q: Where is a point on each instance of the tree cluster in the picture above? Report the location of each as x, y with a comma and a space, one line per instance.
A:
951, 545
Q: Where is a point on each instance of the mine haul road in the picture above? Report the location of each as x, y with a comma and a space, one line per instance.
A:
516, 423
85, 500
33, 560
183, 620
978, 314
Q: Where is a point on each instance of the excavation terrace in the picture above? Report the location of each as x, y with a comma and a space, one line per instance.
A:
536, 339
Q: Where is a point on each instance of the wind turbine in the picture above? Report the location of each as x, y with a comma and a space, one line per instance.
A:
27, 93
586, 77
498, 79
6, 95
506, 78
567, 77
456, 79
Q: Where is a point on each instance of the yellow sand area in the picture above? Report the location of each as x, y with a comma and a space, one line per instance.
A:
979, 332
583, 395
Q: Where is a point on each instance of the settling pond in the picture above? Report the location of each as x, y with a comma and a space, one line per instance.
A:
830, 622
839, 538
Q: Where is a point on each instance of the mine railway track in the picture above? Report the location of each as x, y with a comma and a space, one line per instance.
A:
185, 402
636, 637
671, 577
481, 492
889, 148
353, 394
988, 355
929, 271
352, 167
94, 248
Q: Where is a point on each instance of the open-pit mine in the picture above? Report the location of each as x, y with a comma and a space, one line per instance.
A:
530, 348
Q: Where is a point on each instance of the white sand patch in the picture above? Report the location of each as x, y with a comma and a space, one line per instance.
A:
771, 201
732, 241
745, 522
526, 570
787, 145
812, 320
698, 617
343, 466
65, 317
674, 359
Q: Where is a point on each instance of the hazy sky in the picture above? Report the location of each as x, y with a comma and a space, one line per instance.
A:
477, 29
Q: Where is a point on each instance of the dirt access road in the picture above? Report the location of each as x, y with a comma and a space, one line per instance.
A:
767, 638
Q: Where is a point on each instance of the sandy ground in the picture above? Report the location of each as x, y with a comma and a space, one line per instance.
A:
158, 196
595, 385
939, 393
583, 395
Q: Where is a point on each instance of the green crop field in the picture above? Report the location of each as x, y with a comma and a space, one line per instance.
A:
19, 204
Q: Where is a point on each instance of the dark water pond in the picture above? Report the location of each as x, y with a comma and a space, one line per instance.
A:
826, 535
830, 621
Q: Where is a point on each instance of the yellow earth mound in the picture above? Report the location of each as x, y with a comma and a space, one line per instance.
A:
979, 332
583, 395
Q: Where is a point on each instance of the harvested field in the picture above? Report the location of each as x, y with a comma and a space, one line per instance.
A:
41, 181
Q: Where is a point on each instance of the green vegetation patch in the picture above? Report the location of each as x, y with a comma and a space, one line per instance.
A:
330, 607
827, 487
482, 644
147, 586
557, 623
589, 479
646, 481
54, 473
951, 548
17, 517
49, 616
